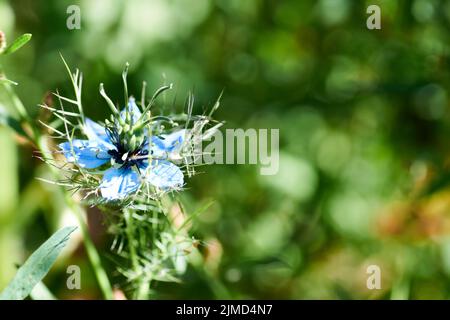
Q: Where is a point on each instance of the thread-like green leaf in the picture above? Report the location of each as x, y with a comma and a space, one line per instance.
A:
37, 266
18, 43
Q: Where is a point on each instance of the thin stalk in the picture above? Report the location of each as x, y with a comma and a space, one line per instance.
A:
18, 105
143, 290
91, 251
41, 143
143, 285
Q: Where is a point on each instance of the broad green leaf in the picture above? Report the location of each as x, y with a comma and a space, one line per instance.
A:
37, 266
18, 43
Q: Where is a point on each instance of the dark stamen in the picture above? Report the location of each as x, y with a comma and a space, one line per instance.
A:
121, 155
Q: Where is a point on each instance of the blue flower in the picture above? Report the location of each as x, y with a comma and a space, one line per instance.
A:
131, 166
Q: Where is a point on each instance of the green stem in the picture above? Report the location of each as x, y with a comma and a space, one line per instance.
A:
129, 231
18, 105
143, 285
143, 289
92, 253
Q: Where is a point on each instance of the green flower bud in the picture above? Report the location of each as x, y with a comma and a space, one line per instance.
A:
133, 143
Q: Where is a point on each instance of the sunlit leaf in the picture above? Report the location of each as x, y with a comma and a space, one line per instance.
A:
41, 292
18, 43
37, 266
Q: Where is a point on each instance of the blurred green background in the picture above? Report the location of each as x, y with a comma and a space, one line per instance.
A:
364, 128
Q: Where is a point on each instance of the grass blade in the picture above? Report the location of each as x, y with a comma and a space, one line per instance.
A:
37, 266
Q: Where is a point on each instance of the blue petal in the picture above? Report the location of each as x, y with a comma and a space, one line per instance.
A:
165, 175
96, 132
165, 144
118, 183
158, 148
134, 111
85, 153
159, 143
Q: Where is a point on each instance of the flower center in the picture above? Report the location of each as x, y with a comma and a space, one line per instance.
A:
128, 158
122, 155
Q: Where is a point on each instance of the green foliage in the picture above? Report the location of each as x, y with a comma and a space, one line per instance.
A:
36, 266
17, 43
364, 128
